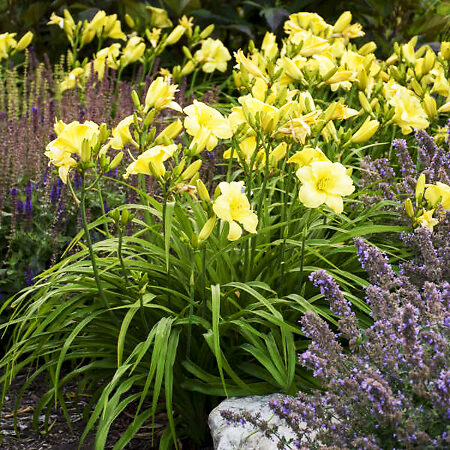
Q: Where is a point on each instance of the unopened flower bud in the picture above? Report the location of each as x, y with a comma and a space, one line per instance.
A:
187, 69
207, 31
429, 105
129, 21
207, 229
191, 170
370, 47
116, 161
409, 208
445, 50
343, 22
364, 102
417, 87
175, 35
202, 191
420, 189
365, 132
428, 61
136, 101
85, 151
25, 41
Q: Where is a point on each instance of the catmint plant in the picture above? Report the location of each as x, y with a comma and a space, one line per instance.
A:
388, 386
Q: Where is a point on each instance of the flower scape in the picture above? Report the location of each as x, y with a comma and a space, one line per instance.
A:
183, 221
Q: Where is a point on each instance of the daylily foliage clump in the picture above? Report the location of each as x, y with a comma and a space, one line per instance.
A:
195, 289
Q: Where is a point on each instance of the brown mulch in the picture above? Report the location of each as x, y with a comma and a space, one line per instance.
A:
59, 436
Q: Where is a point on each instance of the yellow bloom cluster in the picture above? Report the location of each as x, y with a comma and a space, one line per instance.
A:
8, 45
69, 142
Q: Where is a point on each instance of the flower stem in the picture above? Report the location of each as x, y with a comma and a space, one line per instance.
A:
91, 250
302, 257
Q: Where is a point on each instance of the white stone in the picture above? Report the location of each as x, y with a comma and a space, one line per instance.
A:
238, 437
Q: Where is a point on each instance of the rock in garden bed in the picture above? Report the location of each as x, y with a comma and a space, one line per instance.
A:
244, 437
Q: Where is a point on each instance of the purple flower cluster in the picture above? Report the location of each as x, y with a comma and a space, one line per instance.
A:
381, 182
391, 388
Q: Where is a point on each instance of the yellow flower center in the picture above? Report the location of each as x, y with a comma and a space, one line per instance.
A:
322, 184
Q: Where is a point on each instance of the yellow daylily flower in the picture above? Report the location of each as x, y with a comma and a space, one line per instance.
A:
307, 156
324, 182
259, 115
90, 28
156, 155
233, 206
154, 36
71, 136
159, 17
112, 28
269, 45
212, 55
7, 43
409, 113
427, 220
302, 21
251, 65
121, 134
343, 112
106, 57
206, 125
160, 95
66, 23
133, 51
438, 193
70, 81
69, 140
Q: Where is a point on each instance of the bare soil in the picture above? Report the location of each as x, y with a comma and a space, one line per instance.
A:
59, 435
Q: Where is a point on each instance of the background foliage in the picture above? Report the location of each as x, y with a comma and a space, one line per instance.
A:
238, 20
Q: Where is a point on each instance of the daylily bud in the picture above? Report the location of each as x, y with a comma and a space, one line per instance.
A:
191, 170
428, 61
136, 101
370, 47
85, 151
445, 50
202, 191
116, 161
363, 79
445, 108
207, 31
129, 20
343, 22
24, 41
365, 132
417, 87
154, 171
392, 59
364, 102
178, 169
175, 35
170, 132
103, 133
429, 105
409, 208
420, 189
207, 229
115, 215
187, 69
124, 217
329, 112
